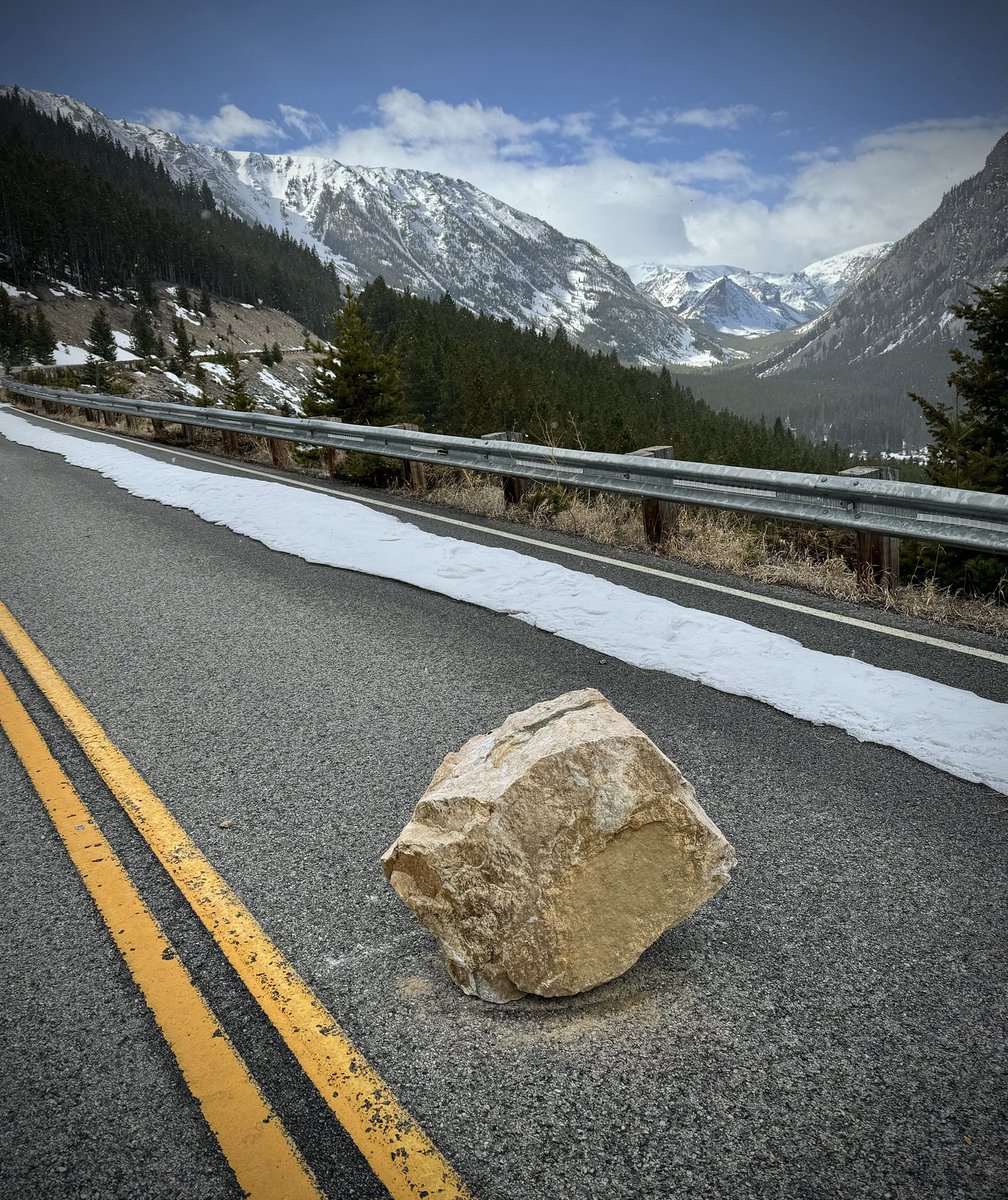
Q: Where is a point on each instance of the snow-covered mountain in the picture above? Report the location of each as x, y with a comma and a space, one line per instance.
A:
903, 303
730, 308
833, 276
424, 232
751, 303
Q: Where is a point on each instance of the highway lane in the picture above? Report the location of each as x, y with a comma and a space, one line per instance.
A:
831, 1025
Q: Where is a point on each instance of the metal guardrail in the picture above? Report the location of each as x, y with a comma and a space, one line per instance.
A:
975, 520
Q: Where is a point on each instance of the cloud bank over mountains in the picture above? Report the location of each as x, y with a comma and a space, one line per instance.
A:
637, 185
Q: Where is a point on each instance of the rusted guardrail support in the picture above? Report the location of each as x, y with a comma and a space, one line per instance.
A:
514, 486
876, 555
414, 474
278, 452
661, 517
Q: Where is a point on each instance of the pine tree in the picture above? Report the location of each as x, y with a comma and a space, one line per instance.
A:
238, 396
969, 442
183, 343
143, 339
13, 332
276, 352
146, 294
41, 339
204, 303
182, 297
352, 381
101, 341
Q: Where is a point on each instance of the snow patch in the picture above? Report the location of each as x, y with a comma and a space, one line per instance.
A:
190, 389
15, 293
291, 395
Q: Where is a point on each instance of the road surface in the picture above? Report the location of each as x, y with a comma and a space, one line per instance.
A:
832, 1025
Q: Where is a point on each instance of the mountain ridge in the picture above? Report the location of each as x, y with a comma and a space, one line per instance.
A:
905, 301
425, 233
782, 300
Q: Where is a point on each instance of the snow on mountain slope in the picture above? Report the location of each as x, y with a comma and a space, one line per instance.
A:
427, 233
678, 287
782, 300
729, 308
833, 276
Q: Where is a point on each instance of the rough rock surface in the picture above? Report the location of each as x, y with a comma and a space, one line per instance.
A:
547, 855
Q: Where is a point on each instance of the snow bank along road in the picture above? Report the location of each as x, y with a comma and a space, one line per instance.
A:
832, 1025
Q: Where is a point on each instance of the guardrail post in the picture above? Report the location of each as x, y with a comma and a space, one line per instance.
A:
333, 458
876, 555
514, 486
414, 474
661, 517
278, 452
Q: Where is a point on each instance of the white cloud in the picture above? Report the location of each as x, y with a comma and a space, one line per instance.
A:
230, 126
309, 124
715, 118
407, 126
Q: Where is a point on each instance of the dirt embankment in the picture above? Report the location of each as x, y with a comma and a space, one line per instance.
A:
230, 327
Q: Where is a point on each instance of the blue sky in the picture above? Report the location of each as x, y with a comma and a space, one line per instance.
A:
763, 135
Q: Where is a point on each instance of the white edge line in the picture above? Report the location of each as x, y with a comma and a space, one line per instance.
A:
755, 597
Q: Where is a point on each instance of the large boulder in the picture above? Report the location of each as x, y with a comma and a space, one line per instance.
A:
547, 855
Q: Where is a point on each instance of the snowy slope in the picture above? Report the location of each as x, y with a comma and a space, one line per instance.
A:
729, 308
781, 300
833, 276
424, 232
678, 287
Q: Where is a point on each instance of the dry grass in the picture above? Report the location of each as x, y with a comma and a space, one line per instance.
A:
800, 556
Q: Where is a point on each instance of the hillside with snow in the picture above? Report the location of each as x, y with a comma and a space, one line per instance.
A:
423, 232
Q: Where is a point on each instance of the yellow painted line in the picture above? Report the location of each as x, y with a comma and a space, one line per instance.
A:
397, 1150
265, 1161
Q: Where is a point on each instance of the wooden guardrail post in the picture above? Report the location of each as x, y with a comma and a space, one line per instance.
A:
876, 555
333, 458
278, 452
514, 486
414, 474
661, 517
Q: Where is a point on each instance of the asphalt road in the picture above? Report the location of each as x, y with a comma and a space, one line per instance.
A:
832, 1025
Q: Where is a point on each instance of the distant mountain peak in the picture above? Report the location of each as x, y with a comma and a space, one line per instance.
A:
782, 300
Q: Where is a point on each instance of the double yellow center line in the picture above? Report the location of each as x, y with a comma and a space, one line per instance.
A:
259, 1149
